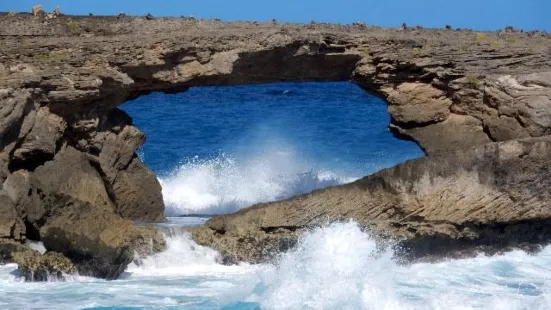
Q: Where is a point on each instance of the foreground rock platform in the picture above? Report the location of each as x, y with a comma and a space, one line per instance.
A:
67, 152
488, 199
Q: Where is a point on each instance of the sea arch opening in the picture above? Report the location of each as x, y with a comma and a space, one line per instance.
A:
217, 149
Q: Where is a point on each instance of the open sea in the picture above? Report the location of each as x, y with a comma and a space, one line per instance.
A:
219, 149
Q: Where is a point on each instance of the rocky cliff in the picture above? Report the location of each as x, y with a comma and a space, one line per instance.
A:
67, 153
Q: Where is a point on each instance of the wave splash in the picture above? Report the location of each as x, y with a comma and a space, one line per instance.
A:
336, 267
226, 183
341, 267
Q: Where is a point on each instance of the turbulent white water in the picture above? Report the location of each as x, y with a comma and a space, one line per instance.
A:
227, 183
336, 267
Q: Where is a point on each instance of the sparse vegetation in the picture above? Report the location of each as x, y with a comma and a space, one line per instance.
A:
48, 57
73, 27
365, 54
472, 79
448, 27
149, 16
11, 13
481, 36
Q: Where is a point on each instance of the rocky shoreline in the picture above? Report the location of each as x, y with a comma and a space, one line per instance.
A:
71, 179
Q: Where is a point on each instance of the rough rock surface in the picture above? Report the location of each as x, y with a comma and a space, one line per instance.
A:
487, 198
98, 242
62, 80
33, 266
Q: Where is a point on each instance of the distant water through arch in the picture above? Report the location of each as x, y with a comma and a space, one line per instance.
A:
218, 149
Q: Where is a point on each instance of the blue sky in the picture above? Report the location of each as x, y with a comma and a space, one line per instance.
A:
476, 14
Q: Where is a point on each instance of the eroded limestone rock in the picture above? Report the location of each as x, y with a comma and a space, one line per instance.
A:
36, 267
489, 198
99, 242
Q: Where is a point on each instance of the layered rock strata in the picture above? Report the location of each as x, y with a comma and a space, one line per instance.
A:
487, 198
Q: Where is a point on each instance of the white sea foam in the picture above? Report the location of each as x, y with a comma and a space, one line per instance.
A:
339, 267
227, 183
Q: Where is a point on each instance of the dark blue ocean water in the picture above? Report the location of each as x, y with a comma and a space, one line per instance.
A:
245, 144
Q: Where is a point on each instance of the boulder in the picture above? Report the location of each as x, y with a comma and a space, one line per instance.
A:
11, 225
34, 267
70, 176
99, 242
67, 207
137, 193
417, 104
446, 136
27, 201
118, 150
489, 198
8, 248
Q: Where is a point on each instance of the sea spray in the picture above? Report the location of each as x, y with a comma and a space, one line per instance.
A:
335, 267
226, 183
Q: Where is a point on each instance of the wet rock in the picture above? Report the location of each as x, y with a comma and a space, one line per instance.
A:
8, 248
36, 267
149, 242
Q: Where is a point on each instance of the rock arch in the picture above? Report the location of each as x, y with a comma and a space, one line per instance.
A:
60, 88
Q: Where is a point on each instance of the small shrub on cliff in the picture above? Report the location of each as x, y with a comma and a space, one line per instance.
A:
366, 55
73, 27
448, 27
49, 57
472, 79
481, 36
